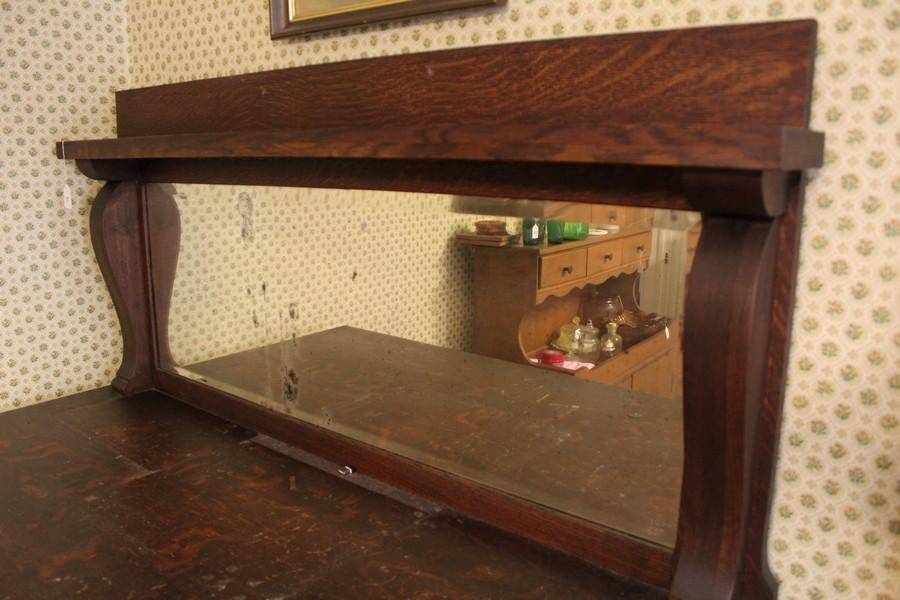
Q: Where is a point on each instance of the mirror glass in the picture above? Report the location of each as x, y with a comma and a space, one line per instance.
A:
531, 347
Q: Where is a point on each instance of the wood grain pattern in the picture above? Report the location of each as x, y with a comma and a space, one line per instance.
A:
757, 574
758, 74
701, 145
621, 553
726, 342
641, 186
750, 193
512, 282
117, 234
164, 234
146, 497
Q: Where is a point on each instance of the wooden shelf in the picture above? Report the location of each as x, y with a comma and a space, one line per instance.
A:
658, 144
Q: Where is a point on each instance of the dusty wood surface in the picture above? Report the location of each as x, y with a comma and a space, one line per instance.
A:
598, 452
105, 497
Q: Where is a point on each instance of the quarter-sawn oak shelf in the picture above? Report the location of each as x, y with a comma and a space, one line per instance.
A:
659, 144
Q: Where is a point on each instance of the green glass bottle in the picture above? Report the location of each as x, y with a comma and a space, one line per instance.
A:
575, 231
555, 233
533, 231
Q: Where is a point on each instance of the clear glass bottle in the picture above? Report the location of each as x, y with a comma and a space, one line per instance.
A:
589, 340
611, 342
568, 336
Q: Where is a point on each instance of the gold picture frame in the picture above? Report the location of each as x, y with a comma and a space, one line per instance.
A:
294, 17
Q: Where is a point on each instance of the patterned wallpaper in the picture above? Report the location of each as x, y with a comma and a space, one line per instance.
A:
59, 65
259, 265
836, 515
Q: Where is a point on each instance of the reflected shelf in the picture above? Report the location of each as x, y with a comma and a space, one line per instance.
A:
604, 454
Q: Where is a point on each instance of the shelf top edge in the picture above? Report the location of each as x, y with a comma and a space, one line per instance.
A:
700, 145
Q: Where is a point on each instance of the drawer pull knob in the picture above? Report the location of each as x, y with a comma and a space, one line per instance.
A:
567, 270
608, 257
641, 248
346, 471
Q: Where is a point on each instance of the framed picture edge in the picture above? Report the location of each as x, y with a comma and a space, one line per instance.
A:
281, 25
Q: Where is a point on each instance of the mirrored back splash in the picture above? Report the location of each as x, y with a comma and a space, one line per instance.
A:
537, 355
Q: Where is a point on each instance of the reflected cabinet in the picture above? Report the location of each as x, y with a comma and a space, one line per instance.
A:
524, 295
615, 397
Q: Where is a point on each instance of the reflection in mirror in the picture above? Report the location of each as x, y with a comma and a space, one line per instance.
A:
531, 347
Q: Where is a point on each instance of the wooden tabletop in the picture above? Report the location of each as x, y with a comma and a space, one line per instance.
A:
602, 453
145, 497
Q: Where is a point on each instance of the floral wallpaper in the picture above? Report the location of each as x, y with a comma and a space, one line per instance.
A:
60, 63
259, 265
836, 514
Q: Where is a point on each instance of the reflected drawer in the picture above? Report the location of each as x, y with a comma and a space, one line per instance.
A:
636, 247
605, 256
562, 267
623, 216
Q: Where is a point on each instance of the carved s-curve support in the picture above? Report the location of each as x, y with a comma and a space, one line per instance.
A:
727, 317
164, 234
135, 232
757, 575
117, 234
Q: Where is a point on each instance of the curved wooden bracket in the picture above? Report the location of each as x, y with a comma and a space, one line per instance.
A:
121, 229
117, 234
164, 234
727, 318
749, 193
757, 575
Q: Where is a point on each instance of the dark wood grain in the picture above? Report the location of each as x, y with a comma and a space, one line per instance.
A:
164, 234
721, 191
656, 187
756, 74
729, 301
701, 145
117, 234
282, 26
107, 497
104, 170
757, 577
619, 552
506, 284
